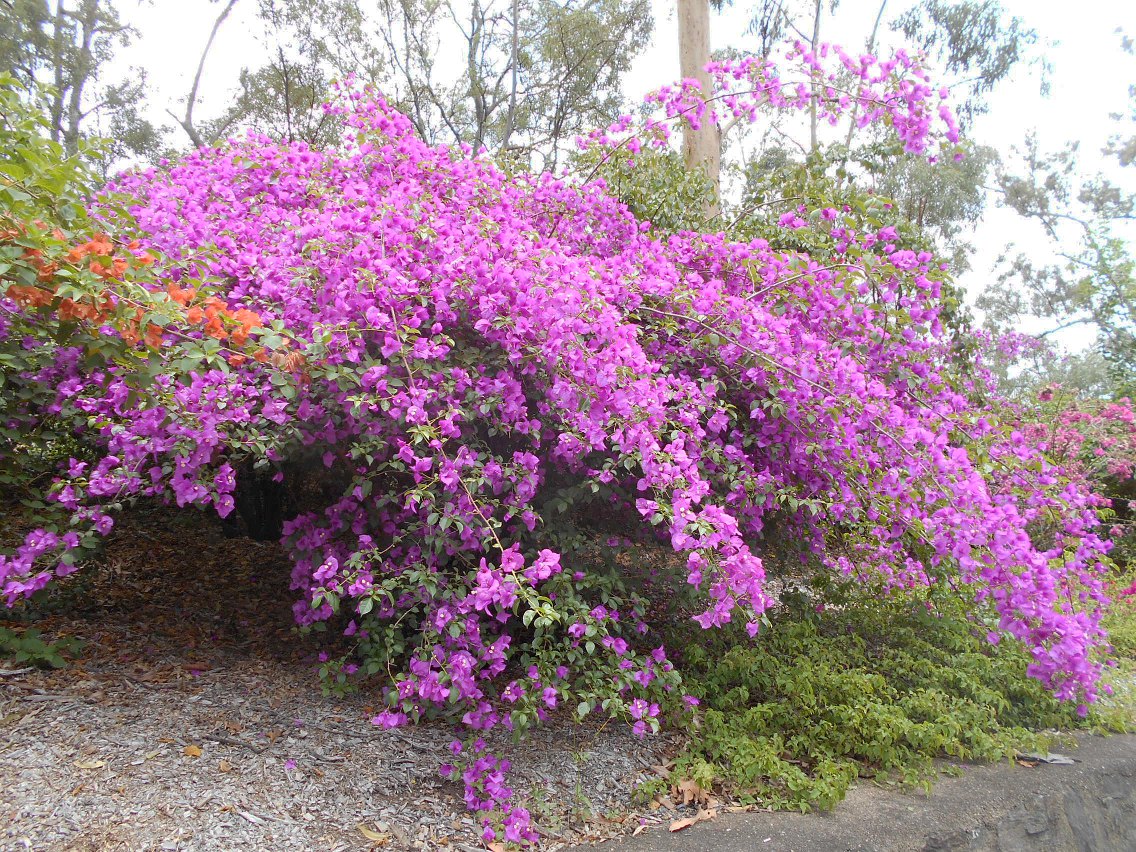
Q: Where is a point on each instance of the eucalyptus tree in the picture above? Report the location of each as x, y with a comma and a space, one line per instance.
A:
521, 78
67, 46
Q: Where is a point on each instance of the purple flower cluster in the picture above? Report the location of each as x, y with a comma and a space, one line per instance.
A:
865, 88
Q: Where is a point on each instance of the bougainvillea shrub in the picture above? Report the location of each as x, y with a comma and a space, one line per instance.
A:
1094, 440
510, 383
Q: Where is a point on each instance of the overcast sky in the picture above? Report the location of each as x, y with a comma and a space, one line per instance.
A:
1090, 75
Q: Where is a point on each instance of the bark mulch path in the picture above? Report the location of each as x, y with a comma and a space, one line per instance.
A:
192, 719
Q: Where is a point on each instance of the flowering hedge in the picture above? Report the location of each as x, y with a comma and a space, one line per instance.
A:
1095, 442
478, 359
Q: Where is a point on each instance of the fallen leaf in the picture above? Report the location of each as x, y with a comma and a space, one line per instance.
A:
495, 847
372, 835
225, 766
638, 830
192, 751
90, 764
690, 791
680, 824
150, 755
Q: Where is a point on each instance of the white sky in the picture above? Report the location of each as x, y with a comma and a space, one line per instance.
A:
1089, 80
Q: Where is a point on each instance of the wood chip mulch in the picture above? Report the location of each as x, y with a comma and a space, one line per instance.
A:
192, 720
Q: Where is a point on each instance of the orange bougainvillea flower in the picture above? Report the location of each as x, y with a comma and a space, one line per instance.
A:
153, 336
194, 315
100, 244
247, 318
214, 328
30, 297
70, 310
181, 295
117, 267
293, 362
129, 333
237, 360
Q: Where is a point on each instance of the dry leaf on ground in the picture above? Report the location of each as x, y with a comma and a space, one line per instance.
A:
373, 835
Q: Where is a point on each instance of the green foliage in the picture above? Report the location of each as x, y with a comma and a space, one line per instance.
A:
40, 183
874, 688
70, 45
943, 201
655, 185
30, 646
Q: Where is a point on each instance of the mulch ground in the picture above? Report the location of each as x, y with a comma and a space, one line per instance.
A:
192, 719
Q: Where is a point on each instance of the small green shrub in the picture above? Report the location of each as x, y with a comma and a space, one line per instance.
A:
29, 646
862, 690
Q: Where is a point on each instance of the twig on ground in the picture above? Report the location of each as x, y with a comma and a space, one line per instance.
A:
217, 738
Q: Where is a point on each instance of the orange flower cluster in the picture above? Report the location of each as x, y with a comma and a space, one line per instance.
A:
221, 323
97, 310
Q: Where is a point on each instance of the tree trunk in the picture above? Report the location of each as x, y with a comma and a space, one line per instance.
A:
59, 28
701, 148
511, 117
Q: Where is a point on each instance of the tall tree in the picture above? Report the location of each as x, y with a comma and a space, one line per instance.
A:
1089, 279
978, 44
68, 46
186, 121
532, 75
